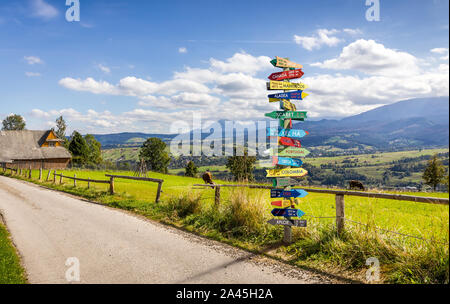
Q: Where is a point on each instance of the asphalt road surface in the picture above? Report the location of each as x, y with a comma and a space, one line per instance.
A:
113, 246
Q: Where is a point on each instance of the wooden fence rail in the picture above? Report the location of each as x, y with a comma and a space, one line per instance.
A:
340, 200
75, 179
147, 179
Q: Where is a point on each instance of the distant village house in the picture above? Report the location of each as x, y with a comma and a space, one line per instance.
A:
35, 149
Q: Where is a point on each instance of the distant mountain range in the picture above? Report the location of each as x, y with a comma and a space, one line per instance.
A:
415, 123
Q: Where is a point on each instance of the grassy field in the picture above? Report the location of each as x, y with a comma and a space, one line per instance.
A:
11, 272
241, 221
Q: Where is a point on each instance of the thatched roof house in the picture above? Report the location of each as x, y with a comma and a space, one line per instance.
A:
38, 149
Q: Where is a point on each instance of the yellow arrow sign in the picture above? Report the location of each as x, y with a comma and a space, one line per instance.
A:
288, 106
293, 172
284, 63
283, 85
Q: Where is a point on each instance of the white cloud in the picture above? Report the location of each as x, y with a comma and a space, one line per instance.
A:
241, 62
42, 9
104, 68
32, 74
352, 32
322, 37
89, 85
441, 51
32, 60
372, 58
182, 50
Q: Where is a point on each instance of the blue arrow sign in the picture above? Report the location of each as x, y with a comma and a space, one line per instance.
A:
274, 193
286, 132
287, 161
288, 212
289, 95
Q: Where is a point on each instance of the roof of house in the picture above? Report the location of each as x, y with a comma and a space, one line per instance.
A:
26, 145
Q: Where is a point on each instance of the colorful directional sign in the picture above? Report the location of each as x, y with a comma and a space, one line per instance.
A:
285, 63
288, 222
288, 152
299, 95
283, 204
288, 212
286, 75
288, 172
287, 161
284, 182
287, 105
283, 85
274, 193
298, 115
286, 132
290, 142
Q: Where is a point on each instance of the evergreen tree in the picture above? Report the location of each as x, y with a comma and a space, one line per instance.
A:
60, 131
241, 166
191, 169
79, 149
13, 122
94, 150
434, 172
153, 152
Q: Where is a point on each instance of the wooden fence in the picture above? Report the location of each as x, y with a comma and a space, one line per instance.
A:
147, 179
75, 179
339, 200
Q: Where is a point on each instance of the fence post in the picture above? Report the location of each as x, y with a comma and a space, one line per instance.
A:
60, 178
54, 177
48, 175
74, 180
217, 196
340, 212
111, 185
158, 192
89, 182
29, 173
40, 173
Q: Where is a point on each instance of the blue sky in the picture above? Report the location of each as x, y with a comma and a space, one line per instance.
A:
140, 65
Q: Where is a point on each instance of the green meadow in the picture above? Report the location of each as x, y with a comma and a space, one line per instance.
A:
241, 220
11, 271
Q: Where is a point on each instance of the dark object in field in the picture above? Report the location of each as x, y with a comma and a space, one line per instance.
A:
207, 177
356, 185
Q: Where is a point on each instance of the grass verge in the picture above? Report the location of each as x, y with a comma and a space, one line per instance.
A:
11, 271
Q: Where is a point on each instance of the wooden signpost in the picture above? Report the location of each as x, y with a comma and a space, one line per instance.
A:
287, 161
299, 95
293, 74
290, 142
288, 222
285, 63
286, 132
287, 105
288, 212
283, 85
297, 115
275, 193
285, 135
283, 204
288, 172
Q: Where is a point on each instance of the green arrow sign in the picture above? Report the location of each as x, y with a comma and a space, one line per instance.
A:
298, 115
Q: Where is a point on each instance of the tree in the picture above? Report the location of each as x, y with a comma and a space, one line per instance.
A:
94, 150
60, 131
78, 148
434, 172
241, 166
13, 122
191, 169
153, 152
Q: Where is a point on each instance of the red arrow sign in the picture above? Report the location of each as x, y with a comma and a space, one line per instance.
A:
286, 141
286, 75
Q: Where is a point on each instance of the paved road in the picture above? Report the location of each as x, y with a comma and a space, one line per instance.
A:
113, 246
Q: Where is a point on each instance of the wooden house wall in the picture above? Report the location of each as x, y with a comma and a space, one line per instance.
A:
60, 163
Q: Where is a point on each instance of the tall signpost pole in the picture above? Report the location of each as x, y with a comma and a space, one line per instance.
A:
286, 166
